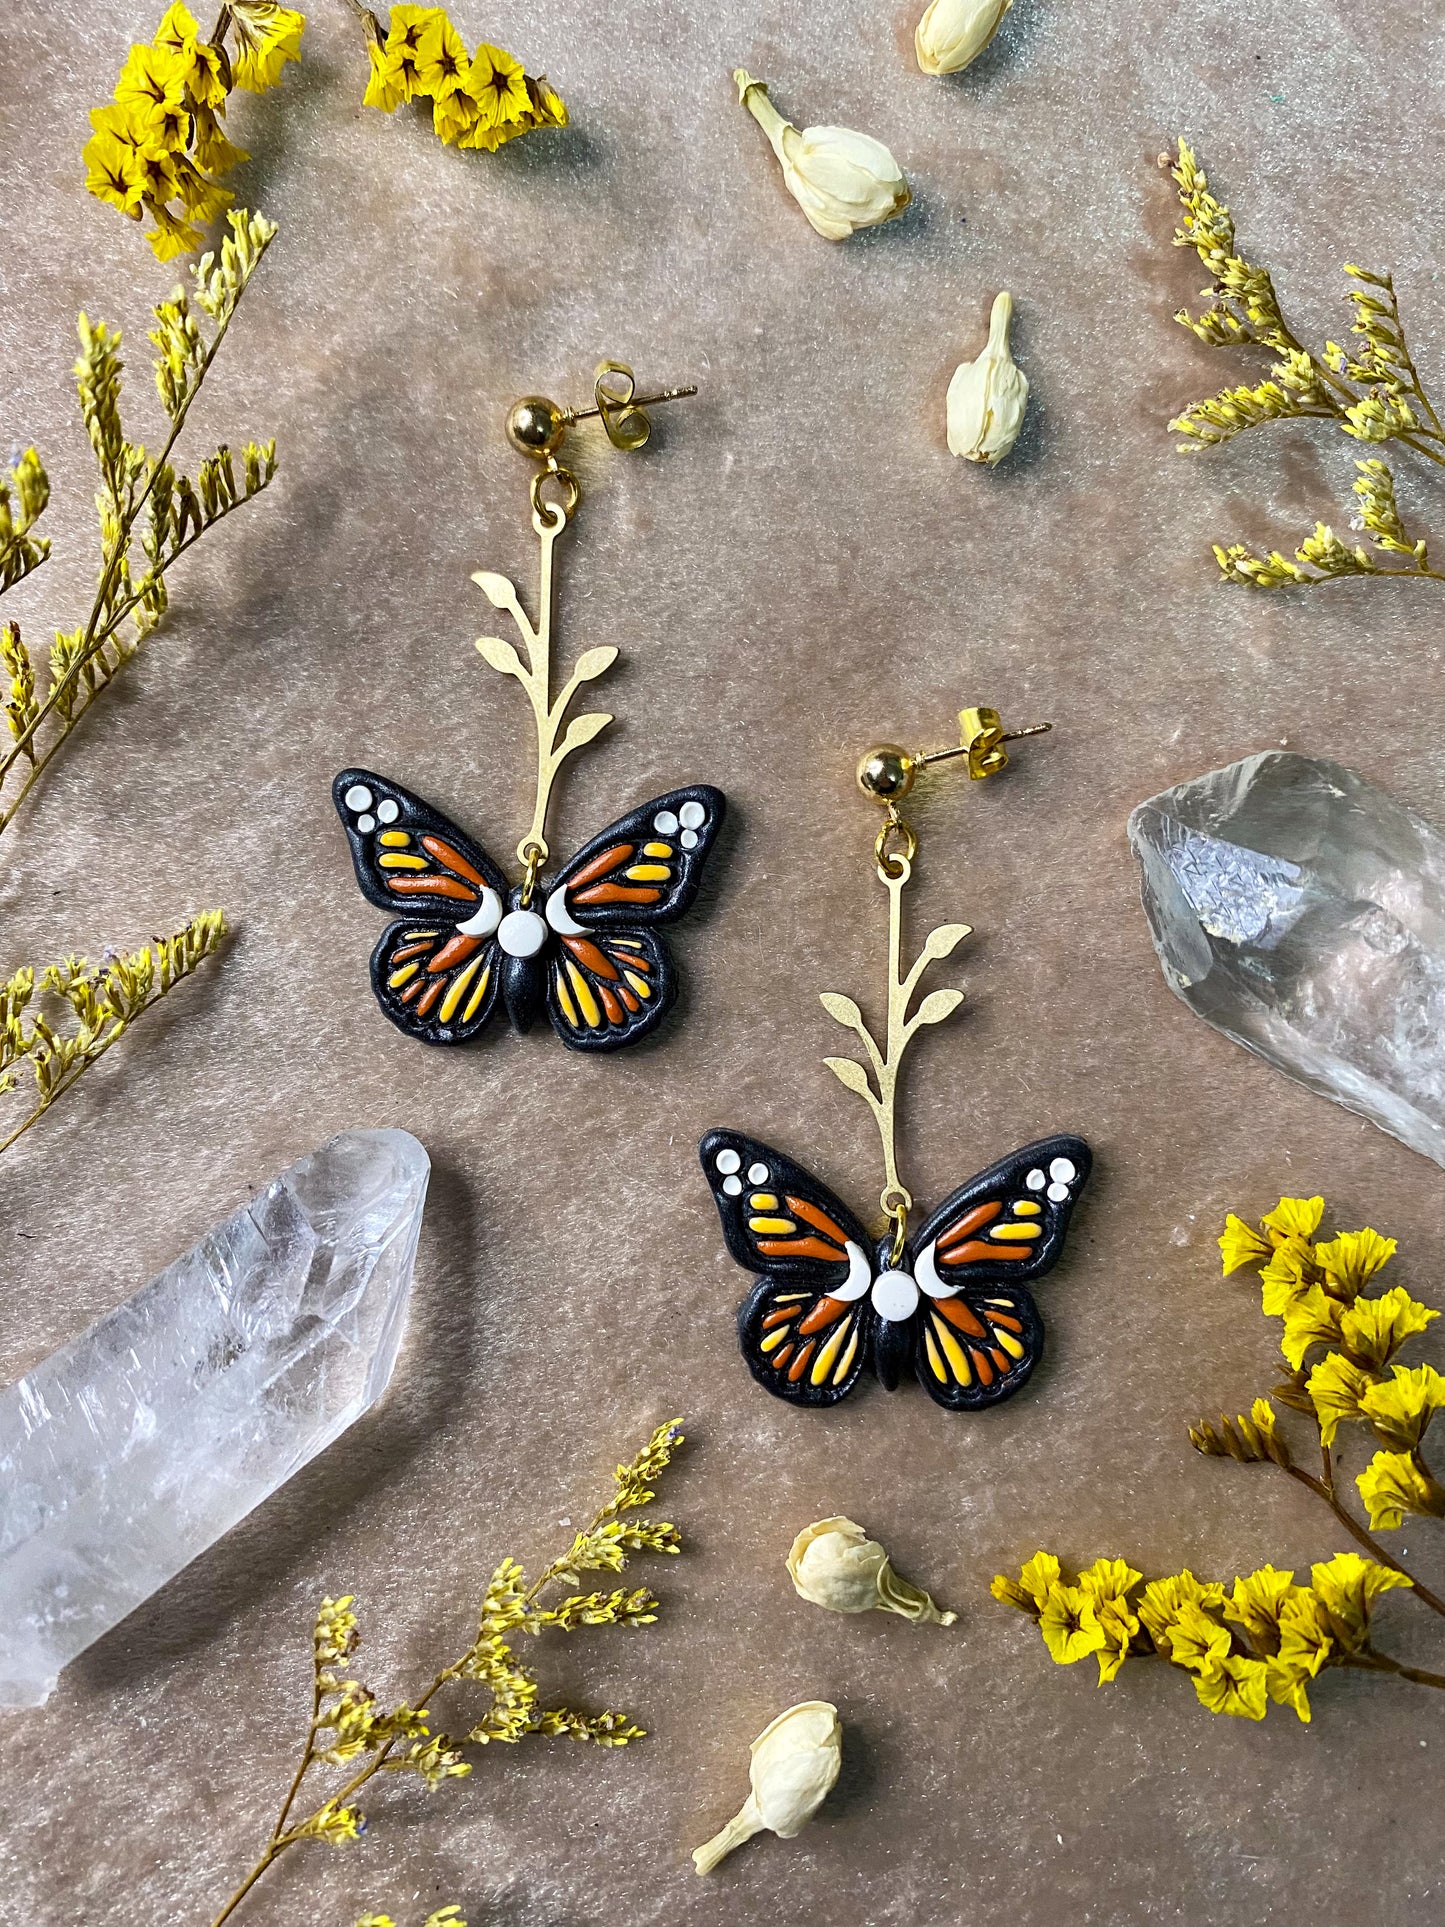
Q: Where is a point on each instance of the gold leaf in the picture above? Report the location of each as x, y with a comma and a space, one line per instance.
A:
581, 730
497, 589
593, 663
851, 1073
501, 655
937, 1005
841, 1009
943, 941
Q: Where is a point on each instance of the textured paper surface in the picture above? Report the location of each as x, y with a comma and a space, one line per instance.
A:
794, 571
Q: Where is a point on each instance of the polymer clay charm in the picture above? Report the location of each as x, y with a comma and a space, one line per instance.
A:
948, 1303
581, 942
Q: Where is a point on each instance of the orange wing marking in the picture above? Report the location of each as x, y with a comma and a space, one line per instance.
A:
453, 860
970, 1222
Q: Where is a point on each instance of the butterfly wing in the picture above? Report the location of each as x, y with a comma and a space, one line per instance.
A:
978, 1334
435, 971
644, 870
806, 1328
611, 978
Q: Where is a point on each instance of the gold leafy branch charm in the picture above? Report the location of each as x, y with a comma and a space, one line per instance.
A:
894, 870
548, 519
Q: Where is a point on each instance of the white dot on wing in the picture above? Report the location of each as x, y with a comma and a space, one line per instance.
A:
366, 824
388, 811
665, 823
757, 1174
733, 1187
358, 797
692, 816
728, 1162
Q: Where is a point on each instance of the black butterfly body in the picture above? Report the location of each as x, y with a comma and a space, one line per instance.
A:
954, 1309
586, 948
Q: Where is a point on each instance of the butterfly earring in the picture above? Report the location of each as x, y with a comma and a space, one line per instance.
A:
948, 1302
582, 943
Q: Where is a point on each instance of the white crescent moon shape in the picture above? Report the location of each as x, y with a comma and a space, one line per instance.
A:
560, 917
486, 919
925, 1272
860, 1275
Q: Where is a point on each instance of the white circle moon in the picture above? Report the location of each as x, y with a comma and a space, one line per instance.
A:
692, 816
1035, 1180
728, 1162
1058, 1192
895, 1296
664, 822
560, 917
366, 824
358, 797
733, 1187
1062, 1171
757, 1174
521, 933
388, 810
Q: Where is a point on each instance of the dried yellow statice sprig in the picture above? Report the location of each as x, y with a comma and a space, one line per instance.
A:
1264, 1643
130, 596
1371, 391
1281, 1635
103, 1001
27, 487
349, 1729
159, 147
480, 100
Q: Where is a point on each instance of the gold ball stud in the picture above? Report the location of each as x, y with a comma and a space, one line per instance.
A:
886, 773
535, 425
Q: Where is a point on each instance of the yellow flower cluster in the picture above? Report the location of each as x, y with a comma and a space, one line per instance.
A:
1261, 1644
158, 146
481, 101
1315, 1288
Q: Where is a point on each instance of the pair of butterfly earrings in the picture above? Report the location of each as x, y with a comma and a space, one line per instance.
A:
948, 1302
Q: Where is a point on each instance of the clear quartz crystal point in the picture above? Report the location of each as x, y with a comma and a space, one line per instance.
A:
136, 1446
1301, 911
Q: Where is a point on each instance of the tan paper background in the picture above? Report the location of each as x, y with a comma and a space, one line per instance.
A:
795, 569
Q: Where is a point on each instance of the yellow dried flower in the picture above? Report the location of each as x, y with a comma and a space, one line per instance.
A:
1311, 1318
1069, 1622
1290, 1272
795, 1762
1375, 1328
1353, 1257
1164, 1604
1240, 1244
1234, 1685
1394, 1483
1400, 1408
1336, 1386
834, 1564
1259, 1599
267, 36
1294, 1218
480, 102
158, 147
1347, 1587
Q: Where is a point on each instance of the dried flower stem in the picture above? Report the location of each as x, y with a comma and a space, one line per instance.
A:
1371, 392
344, 1721
105, 1002
1325, 1489
131, 482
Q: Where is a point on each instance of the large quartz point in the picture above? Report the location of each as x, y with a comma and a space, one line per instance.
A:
134, 1447
1301, 911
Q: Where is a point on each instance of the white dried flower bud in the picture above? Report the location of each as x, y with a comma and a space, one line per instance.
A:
953, 33
841, 180
795, 1760
833, 1563
987, 397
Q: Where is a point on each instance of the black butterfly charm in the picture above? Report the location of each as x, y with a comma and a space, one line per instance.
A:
954, 1309
589, 949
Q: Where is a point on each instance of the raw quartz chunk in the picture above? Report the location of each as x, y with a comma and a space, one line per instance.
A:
135, 1447
1301, 910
